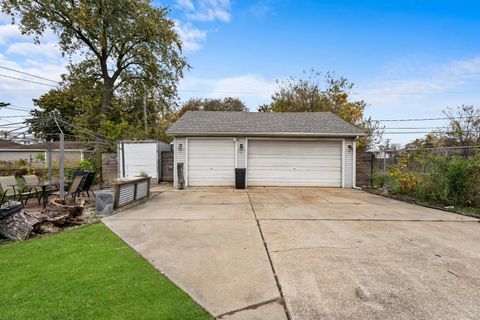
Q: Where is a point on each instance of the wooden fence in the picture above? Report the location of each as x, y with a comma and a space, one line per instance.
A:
364, 172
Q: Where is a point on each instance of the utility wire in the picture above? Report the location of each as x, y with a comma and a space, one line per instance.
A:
28, 74
26, 80
15, 108
422, 119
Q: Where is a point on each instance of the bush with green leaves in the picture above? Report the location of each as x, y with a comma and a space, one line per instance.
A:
85, 165
447, 181
455, 181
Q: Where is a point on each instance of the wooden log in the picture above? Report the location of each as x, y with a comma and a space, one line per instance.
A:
48, 227
57, 207
19, 225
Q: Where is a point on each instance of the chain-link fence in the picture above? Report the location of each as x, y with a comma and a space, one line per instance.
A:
419, 158
446, 176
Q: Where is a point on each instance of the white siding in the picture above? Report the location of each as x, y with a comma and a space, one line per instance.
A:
348, 163
178, 157
241, 153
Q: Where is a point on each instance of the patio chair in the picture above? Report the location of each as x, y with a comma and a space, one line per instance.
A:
32, 191
74, 188
87, 183
8, 184
75, 173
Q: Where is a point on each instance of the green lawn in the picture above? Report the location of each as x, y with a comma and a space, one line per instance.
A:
87, 273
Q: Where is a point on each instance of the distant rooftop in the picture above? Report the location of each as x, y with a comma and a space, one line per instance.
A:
196, 123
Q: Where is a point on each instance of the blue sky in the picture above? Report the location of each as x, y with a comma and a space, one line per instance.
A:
408, 59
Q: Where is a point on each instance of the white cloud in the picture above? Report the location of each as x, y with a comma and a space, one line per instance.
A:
191, 37
8, 31
186, 4
443, 80
5, 18
253, 89
28, 49
206, 10
199, 10
262, 9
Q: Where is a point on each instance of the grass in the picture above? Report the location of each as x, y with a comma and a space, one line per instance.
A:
86, 273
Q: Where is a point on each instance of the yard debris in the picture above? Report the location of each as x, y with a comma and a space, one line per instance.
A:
21, 224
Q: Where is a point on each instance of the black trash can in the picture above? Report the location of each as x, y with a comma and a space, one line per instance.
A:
240, 178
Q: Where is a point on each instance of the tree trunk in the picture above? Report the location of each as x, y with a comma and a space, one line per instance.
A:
107, 96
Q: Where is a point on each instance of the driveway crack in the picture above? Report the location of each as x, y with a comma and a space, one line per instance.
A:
250, 307
287, 313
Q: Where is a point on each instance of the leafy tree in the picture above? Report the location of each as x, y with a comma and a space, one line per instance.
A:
431, 140
124, 42
226, 104
330, 94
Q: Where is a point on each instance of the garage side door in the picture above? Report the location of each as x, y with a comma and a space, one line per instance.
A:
211, 162
294, 163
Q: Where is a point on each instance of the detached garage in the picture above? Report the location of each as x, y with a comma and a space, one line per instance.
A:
276, 149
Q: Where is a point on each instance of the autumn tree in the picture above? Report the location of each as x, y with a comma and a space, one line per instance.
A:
123, 42
431, 140
324, 94
463, 128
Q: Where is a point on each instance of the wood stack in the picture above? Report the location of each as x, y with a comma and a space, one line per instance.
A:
22, 224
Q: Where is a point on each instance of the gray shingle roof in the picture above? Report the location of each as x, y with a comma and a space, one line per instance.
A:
195, 123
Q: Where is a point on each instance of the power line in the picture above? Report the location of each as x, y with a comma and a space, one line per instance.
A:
26, 80
28, 74
422, 119
18, 108
14, 117
260, 93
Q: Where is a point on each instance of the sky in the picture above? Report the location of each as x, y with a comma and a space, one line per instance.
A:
408, 59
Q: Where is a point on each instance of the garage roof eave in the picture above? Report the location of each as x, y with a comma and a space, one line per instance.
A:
267, 134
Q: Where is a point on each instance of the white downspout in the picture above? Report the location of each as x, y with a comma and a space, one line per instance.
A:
354, 165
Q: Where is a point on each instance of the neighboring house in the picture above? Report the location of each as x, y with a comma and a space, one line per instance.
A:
380, 154
136, 158
277, 149
36, 154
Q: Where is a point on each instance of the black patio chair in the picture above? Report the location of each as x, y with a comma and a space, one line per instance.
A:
87, 184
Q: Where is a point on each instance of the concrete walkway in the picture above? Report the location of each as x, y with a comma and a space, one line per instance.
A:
336, 254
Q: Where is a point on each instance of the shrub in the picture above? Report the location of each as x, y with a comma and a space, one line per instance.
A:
378, 178
407, 180
85, 165
455, 181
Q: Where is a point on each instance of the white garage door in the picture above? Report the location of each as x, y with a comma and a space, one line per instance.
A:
211, 162
294, 163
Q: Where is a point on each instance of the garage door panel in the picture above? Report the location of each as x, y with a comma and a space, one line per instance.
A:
294, 163
211, 162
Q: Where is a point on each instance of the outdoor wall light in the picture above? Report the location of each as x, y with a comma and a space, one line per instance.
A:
180, 147
350, 147
241, 146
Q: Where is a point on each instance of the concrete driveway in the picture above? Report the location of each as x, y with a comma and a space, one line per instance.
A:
309, 253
